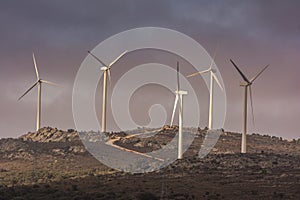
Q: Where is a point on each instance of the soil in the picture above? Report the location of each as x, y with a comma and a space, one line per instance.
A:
53, 164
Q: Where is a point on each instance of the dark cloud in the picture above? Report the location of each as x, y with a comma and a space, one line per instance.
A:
254, 33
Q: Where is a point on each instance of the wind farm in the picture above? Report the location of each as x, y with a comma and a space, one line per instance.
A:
134, 100
231, 151
146, 142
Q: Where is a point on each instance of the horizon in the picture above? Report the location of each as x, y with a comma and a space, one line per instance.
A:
138, 128
252, 33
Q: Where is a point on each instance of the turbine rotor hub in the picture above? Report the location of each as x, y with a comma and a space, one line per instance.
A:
245, 84
181, 92
104, 68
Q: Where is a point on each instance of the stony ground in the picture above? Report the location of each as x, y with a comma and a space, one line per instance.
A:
53, 164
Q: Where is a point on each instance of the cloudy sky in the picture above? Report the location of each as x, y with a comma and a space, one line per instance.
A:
253, 33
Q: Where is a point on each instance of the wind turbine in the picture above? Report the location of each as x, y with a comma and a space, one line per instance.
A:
247, 83
38, 82
106, 72
179, 96
211, 87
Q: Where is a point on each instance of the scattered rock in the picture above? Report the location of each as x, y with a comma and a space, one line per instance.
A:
77, 149
58, 151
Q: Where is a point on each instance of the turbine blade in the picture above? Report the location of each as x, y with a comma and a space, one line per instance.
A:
197, 73
35, 66
241, 73
252, 80
102, 63
109, 77
213, 58
174, 108
217, 80
251, 103
50, 83
210, 67
118, 58
28, 90
180, 106
178, 84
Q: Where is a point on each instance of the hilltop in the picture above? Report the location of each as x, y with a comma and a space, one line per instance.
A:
53, 163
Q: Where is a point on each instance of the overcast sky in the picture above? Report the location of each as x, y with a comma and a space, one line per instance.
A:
253, 33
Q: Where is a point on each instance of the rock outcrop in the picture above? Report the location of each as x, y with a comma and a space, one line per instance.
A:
48, 134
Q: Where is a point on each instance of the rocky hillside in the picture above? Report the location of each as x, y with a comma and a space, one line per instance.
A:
53, 164
147, 140
51, 140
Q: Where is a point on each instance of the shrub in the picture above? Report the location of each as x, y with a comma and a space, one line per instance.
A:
147, 196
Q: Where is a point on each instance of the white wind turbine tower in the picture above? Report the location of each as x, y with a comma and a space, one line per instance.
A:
213, 77
179, 96
38, 82
106, 72
246, 84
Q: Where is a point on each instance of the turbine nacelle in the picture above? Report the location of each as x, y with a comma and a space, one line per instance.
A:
104, 68
213, 70
245, 84
181, 92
